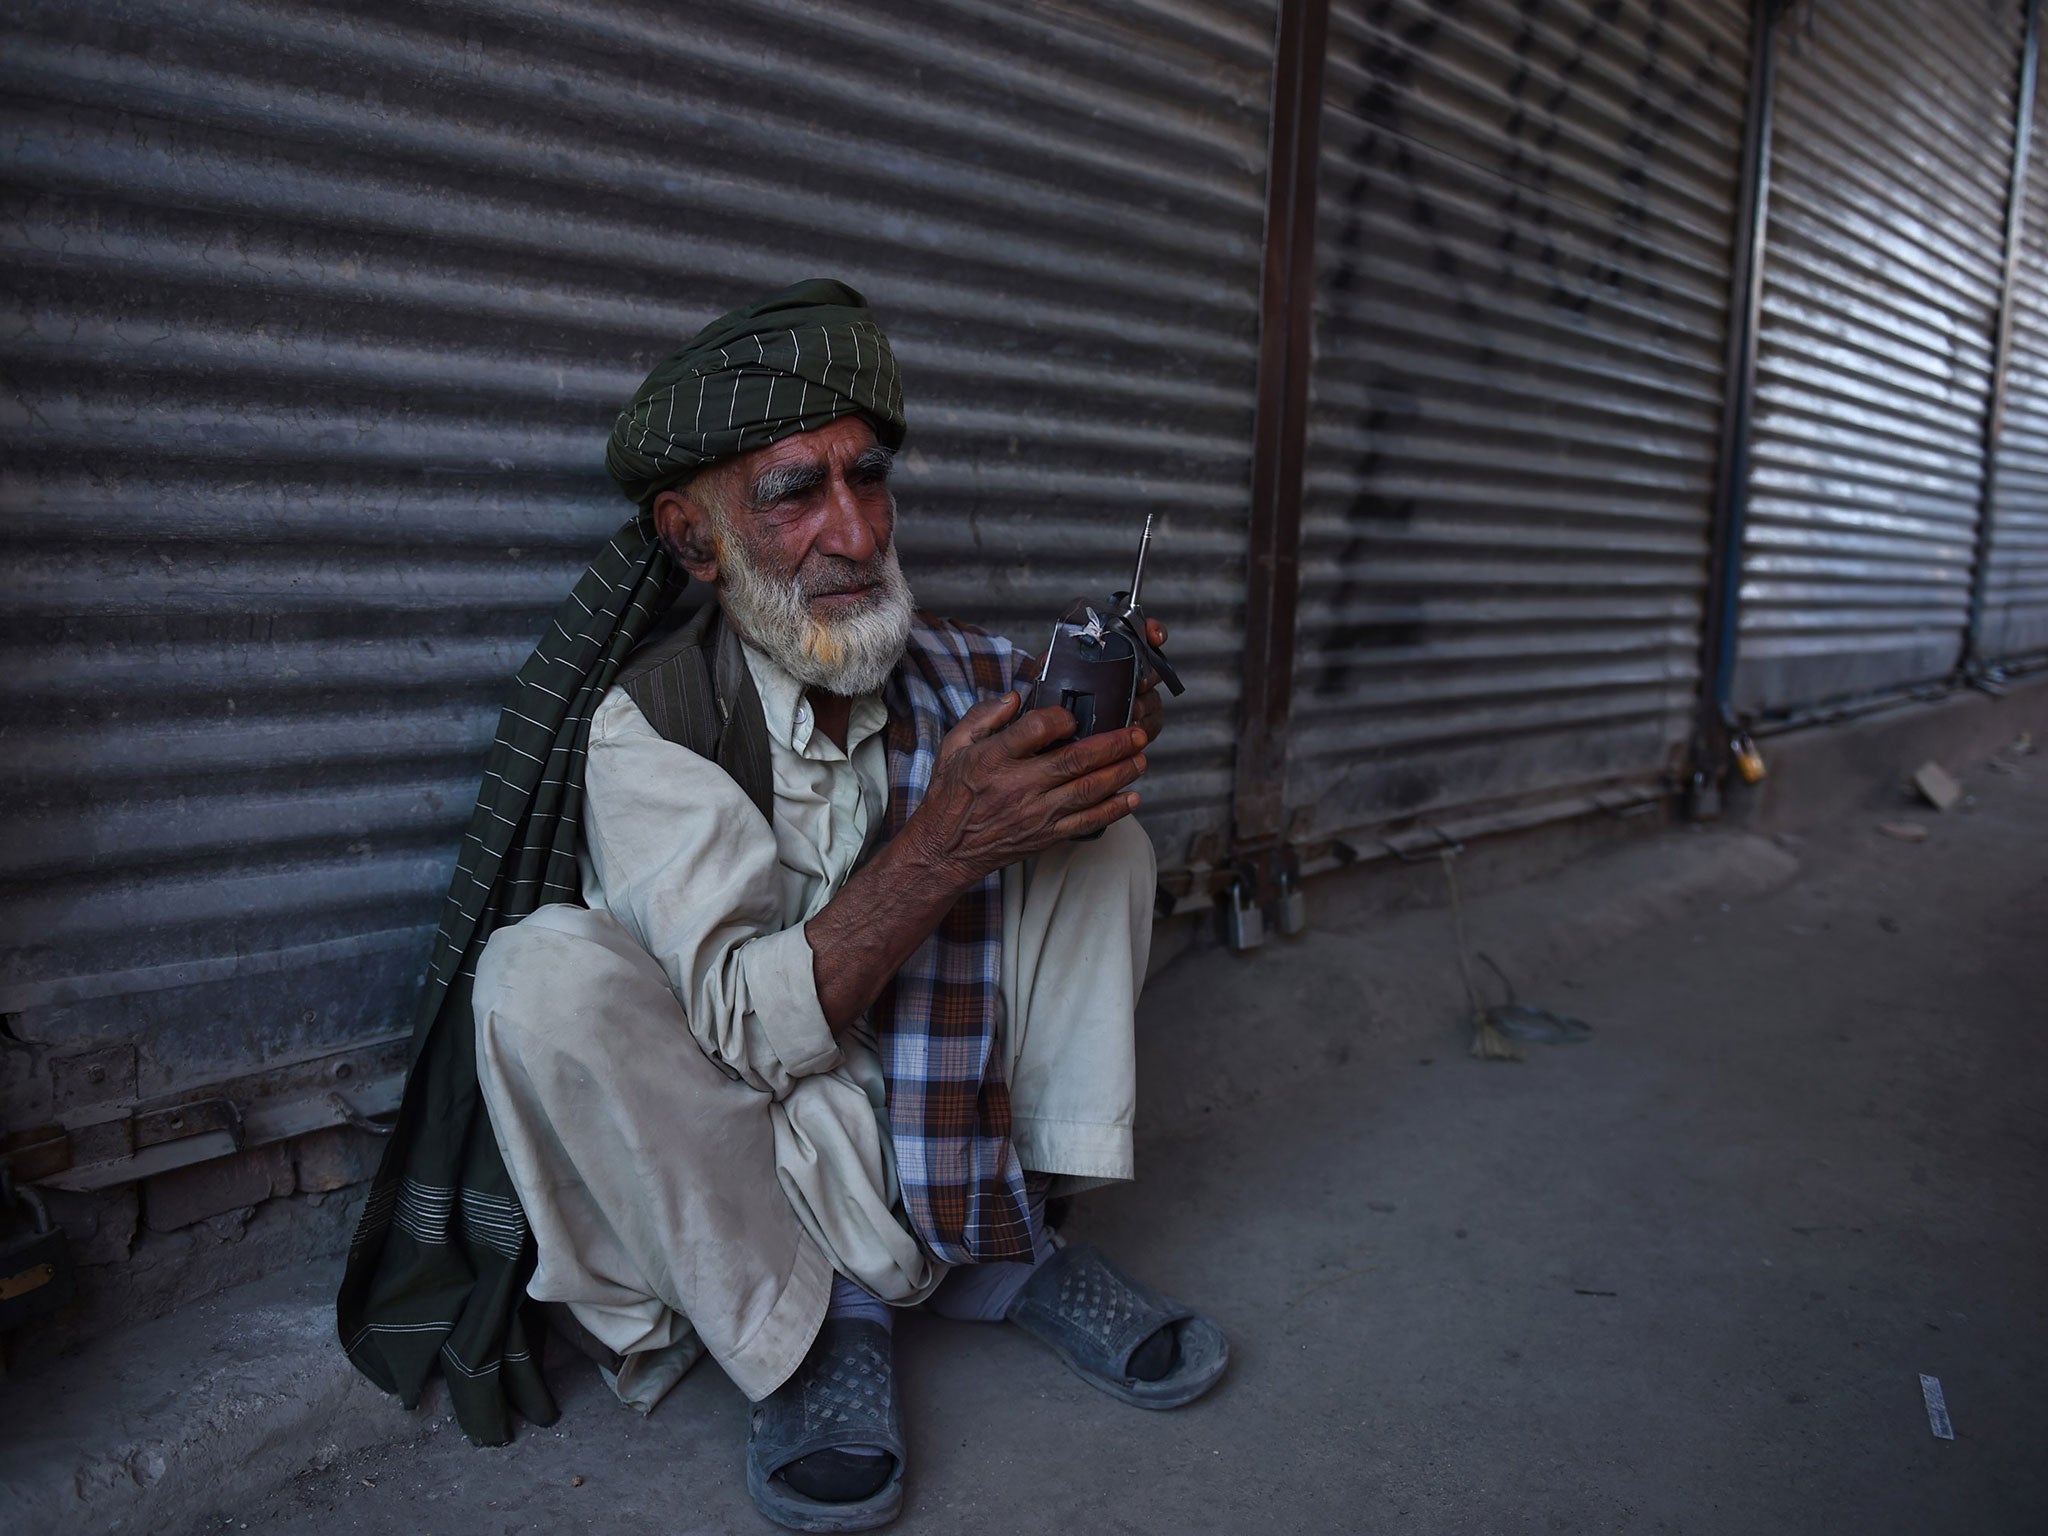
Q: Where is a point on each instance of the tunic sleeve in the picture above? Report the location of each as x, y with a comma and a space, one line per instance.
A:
680, 856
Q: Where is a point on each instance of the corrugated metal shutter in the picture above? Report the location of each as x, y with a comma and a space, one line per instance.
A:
318, 316
1892, 149
2014, 622
1526, 225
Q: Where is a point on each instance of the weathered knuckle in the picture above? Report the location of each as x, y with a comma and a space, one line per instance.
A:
1076, 758
1055, 721
1105, 784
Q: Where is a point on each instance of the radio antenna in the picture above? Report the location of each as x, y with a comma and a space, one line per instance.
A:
1138, 575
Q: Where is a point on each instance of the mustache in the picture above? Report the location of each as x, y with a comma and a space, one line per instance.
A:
832, 575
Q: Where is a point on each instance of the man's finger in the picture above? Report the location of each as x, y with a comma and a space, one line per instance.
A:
1155, 633
1148, 715
985, 719
1093, 752
1103, 782
1096, 817
1037, 730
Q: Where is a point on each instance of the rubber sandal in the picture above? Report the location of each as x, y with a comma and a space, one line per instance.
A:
843, 1394
1094, 1317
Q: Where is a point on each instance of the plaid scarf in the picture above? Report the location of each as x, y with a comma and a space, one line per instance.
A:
935, 1024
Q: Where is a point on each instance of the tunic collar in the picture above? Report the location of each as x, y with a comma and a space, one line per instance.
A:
792, 722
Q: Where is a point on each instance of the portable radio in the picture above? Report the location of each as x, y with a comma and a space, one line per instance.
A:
1092, 664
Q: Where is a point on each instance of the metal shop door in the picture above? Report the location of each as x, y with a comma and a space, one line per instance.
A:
1890, 165
2012, 623
318, 314
1525, 229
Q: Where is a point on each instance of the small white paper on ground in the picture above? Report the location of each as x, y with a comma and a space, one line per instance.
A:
1937, 786
1937, 1408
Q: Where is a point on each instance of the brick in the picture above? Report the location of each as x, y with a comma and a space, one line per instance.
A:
187, 1195
336, 1158
101, 1225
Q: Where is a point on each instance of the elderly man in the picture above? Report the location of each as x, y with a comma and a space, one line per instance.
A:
850, 988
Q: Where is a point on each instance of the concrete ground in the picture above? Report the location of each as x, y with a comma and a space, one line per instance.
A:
1684, 1277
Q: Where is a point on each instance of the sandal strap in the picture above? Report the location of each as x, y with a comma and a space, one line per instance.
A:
1091, 1311
843, 1394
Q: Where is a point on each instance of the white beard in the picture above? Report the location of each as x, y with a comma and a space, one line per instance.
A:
852, 654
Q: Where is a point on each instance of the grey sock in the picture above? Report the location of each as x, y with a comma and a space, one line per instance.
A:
982, 1293
851, 1300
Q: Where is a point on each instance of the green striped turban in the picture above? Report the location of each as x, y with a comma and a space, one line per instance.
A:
789, 363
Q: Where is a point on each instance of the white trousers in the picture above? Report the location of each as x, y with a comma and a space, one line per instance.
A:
677, 1209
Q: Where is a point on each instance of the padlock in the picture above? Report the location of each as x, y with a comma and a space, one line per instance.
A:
1748, 761
35, 1266
1290, 913
1244, 925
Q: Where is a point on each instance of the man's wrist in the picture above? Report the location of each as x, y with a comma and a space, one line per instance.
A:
925, 862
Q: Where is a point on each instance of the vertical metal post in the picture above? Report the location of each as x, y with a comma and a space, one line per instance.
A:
1287, 285
1722, 614
1973, 663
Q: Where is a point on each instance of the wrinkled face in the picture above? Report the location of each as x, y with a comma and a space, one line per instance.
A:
798, 537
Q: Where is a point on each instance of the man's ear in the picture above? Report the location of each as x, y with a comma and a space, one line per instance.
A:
685, 527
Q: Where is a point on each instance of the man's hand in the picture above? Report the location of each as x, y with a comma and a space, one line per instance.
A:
1148, 712
998, 795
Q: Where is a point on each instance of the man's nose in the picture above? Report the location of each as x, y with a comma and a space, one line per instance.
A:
847, 533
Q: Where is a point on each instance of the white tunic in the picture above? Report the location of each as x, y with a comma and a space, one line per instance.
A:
669, 853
